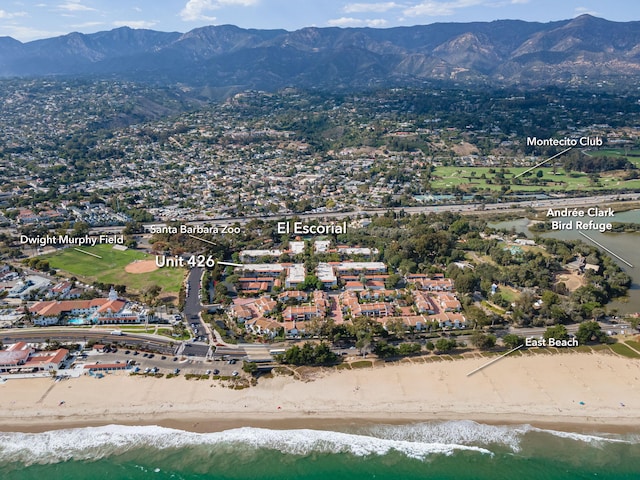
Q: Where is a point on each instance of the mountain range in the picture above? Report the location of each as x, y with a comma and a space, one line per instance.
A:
584, 50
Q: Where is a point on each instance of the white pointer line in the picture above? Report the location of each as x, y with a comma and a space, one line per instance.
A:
494, 360
203, 240
213, 243
606, 249
544, 161
88, 253
231, 264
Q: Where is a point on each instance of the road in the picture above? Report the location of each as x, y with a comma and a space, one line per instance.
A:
192, 309
571, 328
463, 208
41, 335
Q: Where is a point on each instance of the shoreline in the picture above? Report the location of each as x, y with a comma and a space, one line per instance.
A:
197, 425
577, 392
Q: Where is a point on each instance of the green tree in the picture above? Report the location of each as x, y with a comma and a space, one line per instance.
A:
482, 340
444, 345
80, 229
396, 327
559, 332
392, 281
383, 350
511, 340
321, 354
409, 348
311, 282
466, 283
590, 332
478, 316
250, 367
151, 293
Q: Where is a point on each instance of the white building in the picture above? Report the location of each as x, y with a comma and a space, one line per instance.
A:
322, 246
295, 275
251, 255
326, 275
363, 267
296, 248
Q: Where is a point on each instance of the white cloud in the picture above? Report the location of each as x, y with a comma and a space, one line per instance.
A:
357, 22
8, 15
439, 9
584, 10
25, 34
86, 24
134, 23
242, 3
75, 6
505, 3
370, 7
196, 10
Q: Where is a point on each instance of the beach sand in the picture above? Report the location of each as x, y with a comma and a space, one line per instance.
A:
540, 389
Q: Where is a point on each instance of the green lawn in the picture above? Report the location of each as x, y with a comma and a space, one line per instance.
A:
111, 268
633, 344
362, 364
493, 308
624, 350
137, 329
509, 294
613, 152
469, 177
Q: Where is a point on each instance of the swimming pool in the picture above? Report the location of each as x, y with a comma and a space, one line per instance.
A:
76, 321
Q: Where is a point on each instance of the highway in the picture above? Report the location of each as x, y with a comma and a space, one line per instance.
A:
61, 334
462, 208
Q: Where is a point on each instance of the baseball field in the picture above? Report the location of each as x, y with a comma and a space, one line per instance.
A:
102, 263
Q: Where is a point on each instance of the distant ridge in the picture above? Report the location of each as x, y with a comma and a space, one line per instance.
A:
585, 50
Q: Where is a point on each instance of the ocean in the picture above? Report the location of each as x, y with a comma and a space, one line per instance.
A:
457, 450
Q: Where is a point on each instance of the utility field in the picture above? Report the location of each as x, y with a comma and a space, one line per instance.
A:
112, 268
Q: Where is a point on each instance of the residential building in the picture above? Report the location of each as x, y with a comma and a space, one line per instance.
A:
252, 255
296, 247
361, 267
20, 357
295, 275
326, 275
293, 295
302, 312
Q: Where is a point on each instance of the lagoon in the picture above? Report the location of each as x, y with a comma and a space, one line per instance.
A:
625, 245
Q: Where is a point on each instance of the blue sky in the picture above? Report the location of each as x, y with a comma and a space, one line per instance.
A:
27, 20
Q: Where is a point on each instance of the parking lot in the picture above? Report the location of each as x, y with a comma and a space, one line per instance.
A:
165, 363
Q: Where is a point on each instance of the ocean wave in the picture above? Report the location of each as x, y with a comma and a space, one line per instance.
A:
581, 437
94, 443
463, 432
470, 433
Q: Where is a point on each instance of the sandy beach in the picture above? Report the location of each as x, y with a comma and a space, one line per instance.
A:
588, 389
